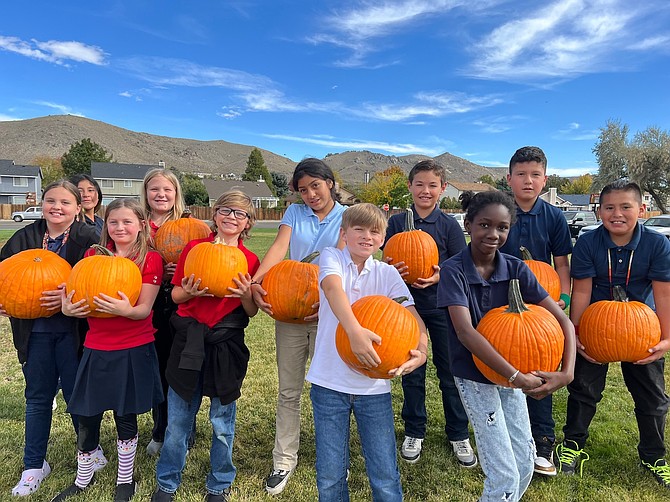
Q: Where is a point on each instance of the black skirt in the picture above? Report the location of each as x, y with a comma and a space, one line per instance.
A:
125, 381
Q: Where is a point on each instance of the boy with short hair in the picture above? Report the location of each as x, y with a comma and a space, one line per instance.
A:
542, 229
621, 252
345, 276
427, 181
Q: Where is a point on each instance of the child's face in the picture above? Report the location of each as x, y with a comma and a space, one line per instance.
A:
123, 226
161, 195
490, 228
315, 192
426, 188
362, 242
59, 206
89, 195
527, 181
230, 225
619, 211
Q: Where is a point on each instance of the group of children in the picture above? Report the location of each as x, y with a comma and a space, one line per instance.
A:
513, 426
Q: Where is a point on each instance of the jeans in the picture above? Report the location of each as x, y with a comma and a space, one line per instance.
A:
541, 417
414, 385
180, 423
374, 419
499, 418
646, 385
50, 356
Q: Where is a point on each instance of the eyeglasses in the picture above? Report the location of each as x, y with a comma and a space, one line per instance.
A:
239, 214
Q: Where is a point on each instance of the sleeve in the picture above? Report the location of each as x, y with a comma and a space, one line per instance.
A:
582, 265
329, 264
153, 268
397, 287
452, 288
253, 263
659, 269
455, 238
289, 216
394, 227
560, 239
531, 290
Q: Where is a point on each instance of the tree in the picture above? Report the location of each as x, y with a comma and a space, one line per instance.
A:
280, 182
80, 155
555, 181
450, 203
256, 169
503, 185
488, 179
387, 187
52, 170
195, 193
610, 151
581, 185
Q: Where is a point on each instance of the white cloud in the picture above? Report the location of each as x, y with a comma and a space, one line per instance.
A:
8, 118
126, 94
54, 51
574, 132
64, 109
498, 124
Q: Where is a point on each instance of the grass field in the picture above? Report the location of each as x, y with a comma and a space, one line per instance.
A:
612, 474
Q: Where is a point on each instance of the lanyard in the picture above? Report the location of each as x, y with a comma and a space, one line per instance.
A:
45, 240
609, 270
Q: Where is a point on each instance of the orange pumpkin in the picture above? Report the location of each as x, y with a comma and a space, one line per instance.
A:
292, 288
416, 248
172, 236
527, 336
619, 330
216, 265
23, 278
104, 273
546, 274
396, 326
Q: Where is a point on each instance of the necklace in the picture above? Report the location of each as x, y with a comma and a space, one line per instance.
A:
609, 271
45, 240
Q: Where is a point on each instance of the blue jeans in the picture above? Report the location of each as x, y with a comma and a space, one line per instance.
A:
374, 419
499, 418
181, 416
541, 417
50, 356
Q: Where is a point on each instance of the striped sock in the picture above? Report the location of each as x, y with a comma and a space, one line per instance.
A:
126, 449
84, 469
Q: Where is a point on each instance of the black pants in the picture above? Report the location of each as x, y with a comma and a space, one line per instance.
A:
646, 385
88, 438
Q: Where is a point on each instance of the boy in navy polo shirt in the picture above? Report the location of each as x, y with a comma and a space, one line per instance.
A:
620, 252
427, 180
542, 229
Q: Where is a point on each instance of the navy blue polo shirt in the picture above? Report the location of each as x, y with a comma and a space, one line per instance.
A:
445, 231
461, 285
651, 262
543, 231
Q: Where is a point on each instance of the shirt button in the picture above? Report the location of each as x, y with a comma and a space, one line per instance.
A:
620, 260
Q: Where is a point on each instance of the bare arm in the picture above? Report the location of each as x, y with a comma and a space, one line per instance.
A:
122, 307
274, 255
562, 266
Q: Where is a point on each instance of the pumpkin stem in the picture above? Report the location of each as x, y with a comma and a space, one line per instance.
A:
186, 214
409, 220
400, 299
525, 254
102, 250
310, 257
516, 305
619, 294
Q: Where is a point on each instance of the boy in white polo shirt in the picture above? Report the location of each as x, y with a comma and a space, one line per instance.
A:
345, 276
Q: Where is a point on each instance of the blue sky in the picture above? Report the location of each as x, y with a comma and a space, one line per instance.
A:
474, 78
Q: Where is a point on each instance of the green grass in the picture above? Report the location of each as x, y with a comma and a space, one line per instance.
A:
612, 474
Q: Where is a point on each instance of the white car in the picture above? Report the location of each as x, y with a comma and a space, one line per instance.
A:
659, 223
460, 218
32, 213
588, 228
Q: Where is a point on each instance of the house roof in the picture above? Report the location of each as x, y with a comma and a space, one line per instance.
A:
114, 170
8, 168
253, 189
475, 187
577, 200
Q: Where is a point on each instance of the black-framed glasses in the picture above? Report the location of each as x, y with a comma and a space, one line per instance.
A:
239, 214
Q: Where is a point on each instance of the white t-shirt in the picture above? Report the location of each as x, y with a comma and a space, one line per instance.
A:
327, 369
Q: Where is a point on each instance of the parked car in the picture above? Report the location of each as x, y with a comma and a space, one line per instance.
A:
32, 213
588, 228
659, 223
460, 218
578, 219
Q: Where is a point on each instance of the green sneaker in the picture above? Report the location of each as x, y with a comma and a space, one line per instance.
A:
570, 457
660, 470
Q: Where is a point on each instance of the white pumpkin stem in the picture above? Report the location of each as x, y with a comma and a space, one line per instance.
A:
516, 305
409, 220
619, 294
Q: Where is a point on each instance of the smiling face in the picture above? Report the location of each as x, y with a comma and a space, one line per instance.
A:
315, 192
527, 180
161, 195
123, 226
489, 230
59, 209
619, 211
89, 196
362, 242
426, 188
229, 227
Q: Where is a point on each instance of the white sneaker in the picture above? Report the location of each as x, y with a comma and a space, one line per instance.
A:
276, 481
464, 453
154, 448
410, 451
30, 481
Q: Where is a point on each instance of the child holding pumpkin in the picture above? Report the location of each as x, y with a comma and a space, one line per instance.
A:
47, 347
621, 252
208, 355
472, 283
119, 368
337, 390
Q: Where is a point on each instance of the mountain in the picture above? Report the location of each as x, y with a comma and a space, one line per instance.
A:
24, 140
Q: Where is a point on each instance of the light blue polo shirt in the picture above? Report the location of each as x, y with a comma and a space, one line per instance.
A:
308, 234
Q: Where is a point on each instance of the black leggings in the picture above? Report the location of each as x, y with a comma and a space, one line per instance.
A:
88, 437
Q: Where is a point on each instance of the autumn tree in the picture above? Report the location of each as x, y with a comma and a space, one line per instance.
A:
387, 187
80, 155
256, 169
581, 185
555, 181
51, 167
488, 179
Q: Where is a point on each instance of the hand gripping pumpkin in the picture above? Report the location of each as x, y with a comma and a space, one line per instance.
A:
292, 288
216, 264
104, 273
172, 236
23, 278
619, 330
416, 248
545, 274
527, 336
396, 326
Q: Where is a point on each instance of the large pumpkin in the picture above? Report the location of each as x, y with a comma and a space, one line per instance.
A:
396, 326
216, 264
619, 330
23, 278
292, 289
545, 274
104, 273
527, 336
416, 248
173, 235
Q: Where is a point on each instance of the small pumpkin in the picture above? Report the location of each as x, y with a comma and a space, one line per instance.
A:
292, 288
527, 336
216, 264
23, 278
396, 326
416, 248
104, 273
619, 330
546, 274
173, 235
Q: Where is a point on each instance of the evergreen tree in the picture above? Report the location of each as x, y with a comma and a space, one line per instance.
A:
257, 169
195, 193
280, 182
80, 155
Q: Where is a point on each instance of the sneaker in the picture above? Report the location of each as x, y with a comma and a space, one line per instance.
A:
570, 457
660, 470
70, 491
276, 481
125, 491
464, 453
161, 496
31, 479
154, 448
410, 451
544, 458
224, 497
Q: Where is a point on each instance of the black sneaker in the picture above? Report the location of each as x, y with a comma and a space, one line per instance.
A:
70, 491
660, 470
544, 459
125, 491
161, 496
224, 497
570, 457
276, 481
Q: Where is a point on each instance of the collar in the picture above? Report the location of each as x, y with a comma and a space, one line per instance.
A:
500, 273
535, 210
631, 246
431, 218
367, 266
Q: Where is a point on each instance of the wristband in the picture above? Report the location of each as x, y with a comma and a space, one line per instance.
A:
255, 282
513, 377
566, 299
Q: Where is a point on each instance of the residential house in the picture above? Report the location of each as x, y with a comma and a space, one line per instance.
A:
119, 180
260, 193
20, 184
456, 188
565, 202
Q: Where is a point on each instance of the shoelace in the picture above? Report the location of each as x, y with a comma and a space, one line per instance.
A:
662, 471
412, 443
278, 472
462, 448
569, 456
